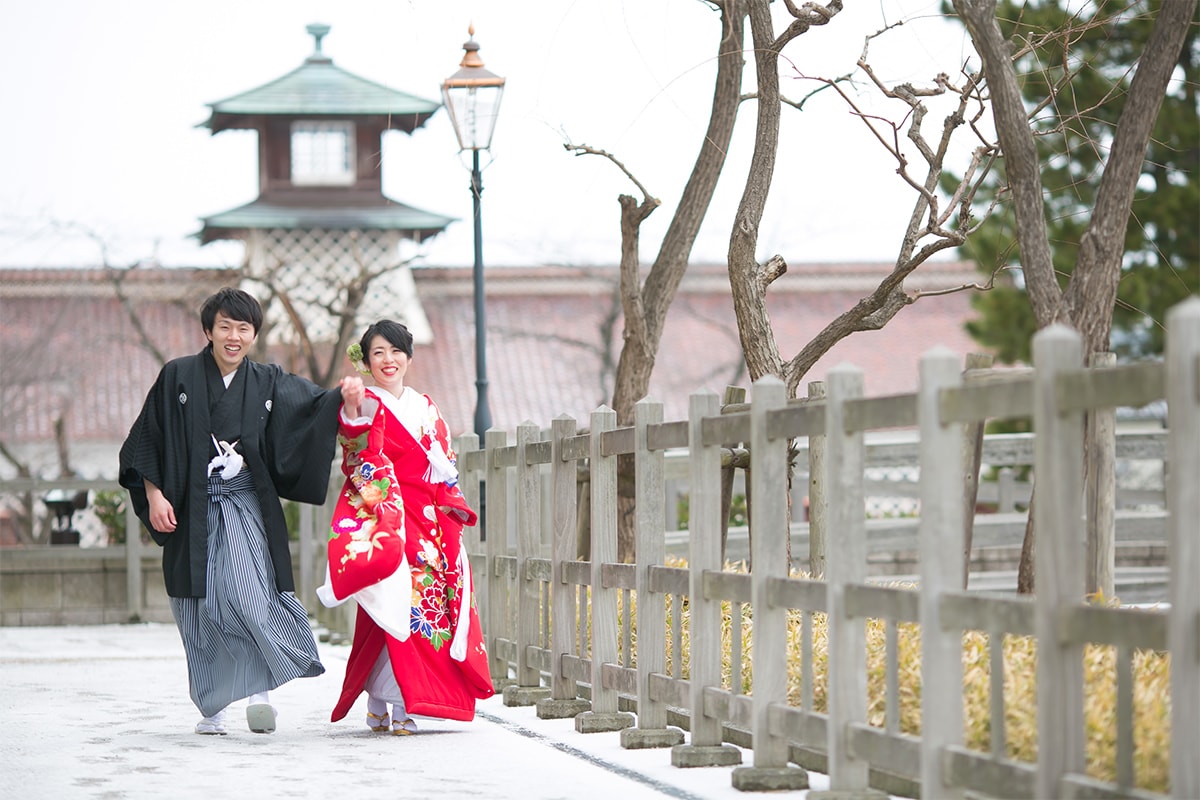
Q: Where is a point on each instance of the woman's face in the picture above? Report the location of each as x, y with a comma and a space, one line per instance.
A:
388, 364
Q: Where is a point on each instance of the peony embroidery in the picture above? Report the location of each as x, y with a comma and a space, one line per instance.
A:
364, 539
429, 619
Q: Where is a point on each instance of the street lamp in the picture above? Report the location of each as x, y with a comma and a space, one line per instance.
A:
472, 98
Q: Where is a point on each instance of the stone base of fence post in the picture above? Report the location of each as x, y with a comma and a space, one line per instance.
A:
564, 708
500, 684
847, 794
693, 755
646, 738
603, 721
770, 779
518, 696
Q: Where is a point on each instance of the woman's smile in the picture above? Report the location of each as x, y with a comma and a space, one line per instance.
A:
388, 364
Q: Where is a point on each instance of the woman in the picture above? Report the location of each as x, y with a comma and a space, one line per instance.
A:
397, 549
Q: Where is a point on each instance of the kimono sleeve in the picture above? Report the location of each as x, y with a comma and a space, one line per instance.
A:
300, 438
366, 543
141, 456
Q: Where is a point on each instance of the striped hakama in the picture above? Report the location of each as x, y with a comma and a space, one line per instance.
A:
244, 636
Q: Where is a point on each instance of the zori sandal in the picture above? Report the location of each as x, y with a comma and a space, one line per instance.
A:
407, 727
261, 717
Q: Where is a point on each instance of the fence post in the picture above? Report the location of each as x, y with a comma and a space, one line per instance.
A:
1101, 432
769, 555
308, 549
468, 484
133, 563
1006, 490
1058, 525
942, 459
564, 701
972, 445
604, 715
650, 526
733, 394
817, 508
528, 689
707, 747
496, 537
847, 638
1183, 501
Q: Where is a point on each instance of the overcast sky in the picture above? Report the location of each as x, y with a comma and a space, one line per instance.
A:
102, 100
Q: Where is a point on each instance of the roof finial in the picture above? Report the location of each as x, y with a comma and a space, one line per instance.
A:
318, 31
471, 50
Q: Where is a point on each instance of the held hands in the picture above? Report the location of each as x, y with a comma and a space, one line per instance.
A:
353, 393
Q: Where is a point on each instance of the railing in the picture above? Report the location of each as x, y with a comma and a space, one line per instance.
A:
595, 639
70, 585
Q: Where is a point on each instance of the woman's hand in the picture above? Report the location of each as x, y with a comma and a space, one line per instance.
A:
353, 393
162, 513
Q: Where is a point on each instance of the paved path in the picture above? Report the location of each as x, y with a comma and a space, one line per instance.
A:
102, 712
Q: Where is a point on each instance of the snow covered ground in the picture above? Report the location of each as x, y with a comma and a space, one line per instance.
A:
103, 712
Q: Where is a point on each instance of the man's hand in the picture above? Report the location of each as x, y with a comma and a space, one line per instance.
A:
162, 513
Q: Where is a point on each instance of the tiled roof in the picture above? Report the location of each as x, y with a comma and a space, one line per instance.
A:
554, 337
383, 215
319, 88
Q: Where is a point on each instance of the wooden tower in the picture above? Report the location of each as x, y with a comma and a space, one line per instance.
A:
321, 222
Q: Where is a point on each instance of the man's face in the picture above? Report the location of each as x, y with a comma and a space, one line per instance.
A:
231, 340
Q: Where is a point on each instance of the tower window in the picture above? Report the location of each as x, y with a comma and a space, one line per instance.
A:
322, 153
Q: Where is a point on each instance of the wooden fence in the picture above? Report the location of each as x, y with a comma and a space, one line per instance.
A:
597, 639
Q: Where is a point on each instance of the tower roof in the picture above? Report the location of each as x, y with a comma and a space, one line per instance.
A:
414, 223
320, 88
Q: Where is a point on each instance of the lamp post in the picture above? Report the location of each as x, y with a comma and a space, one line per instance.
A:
472, 98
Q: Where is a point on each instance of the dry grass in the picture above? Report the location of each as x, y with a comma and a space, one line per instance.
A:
1152, 733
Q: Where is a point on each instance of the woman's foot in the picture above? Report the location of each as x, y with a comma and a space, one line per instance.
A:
379, 722
405, 727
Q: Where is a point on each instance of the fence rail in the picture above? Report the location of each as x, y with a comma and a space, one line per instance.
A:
596, 640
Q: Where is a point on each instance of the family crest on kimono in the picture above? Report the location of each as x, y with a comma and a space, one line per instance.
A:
219, 440
396, 548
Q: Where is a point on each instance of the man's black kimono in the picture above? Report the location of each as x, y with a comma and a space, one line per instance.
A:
286, 427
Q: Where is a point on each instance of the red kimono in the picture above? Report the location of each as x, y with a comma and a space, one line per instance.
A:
396, 547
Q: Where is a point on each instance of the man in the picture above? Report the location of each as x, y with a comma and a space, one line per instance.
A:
220, 439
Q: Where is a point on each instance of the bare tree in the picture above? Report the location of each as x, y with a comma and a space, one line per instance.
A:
933, 226
645, 302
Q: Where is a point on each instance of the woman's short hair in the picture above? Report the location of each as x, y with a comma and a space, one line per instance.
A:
233, 303
396, 334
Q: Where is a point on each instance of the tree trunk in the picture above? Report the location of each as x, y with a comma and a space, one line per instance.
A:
645, 307
747, 278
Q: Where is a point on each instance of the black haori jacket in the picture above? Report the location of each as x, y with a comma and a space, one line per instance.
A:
287, 433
